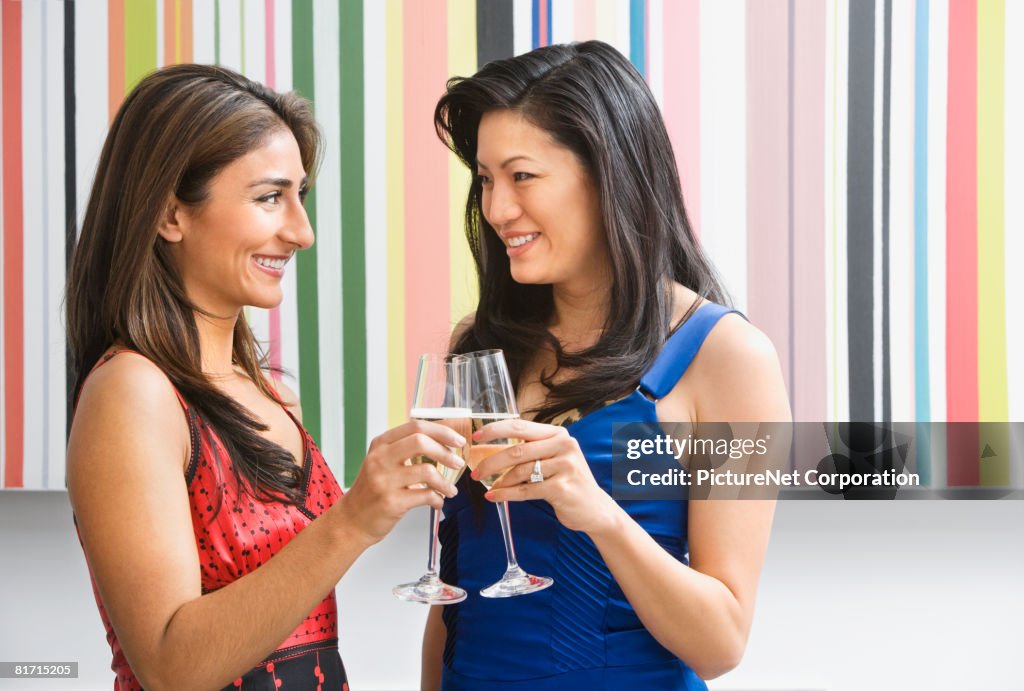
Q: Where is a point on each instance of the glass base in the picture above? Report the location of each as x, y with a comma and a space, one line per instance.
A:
517, 582
430, 590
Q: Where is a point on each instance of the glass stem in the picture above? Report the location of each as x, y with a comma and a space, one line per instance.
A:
435, 522
506, 532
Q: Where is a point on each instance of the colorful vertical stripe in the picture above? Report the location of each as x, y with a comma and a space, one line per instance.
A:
13, 249
353, 234
851, 168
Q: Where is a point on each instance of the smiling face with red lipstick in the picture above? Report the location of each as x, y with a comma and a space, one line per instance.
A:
233, 249
541, 202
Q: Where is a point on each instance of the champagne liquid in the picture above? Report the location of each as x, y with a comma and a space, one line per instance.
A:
458, 420
478, 452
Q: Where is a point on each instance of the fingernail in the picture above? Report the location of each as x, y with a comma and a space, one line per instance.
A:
459, 440
458, 461
452, 490
488, 495
476, 435
475, 475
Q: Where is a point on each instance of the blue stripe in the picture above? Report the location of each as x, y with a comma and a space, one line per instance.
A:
922, 388
637, 21
550, 2
536, 23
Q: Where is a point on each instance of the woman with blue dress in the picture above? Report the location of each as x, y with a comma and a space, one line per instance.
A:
593, 283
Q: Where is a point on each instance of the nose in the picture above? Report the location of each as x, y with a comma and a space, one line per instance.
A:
297, 229
500, 205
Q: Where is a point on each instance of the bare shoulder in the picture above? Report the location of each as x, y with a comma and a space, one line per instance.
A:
129, 405
736, 375
128, 382
736, 343
464, 325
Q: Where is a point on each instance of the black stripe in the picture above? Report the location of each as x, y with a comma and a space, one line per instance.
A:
860, 210
70, 182
886, 112
493, 31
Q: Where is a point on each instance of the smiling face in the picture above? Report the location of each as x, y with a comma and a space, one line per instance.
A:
233, 249
541, 202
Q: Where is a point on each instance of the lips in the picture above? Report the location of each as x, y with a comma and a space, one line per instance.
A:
518, 244
270, 262
520, 240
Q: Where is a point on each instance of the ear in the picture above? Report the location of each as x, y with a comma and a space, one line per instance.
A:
172, 225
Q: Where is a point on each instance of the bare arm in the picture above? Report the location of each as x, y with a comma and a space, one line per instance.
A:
433, 648
702, 612
125, 457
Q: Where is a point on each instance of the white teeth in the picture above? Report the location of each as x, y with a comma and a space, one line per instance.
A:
271, 263
522, 240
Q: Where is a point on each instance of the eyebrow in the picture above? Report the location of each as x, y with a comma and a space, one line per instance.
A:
279, 182
507, 161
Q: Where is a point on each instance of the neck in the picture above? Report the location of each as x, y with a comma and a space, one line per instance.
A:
216, 338
580, 311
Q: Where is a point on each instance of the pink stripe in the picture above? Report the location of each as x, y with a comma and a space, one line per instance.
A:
586, 20
13, 243
681, 70
962, 242
767, 173
426, 184
271, 71
542, 23
809, 378
271, 66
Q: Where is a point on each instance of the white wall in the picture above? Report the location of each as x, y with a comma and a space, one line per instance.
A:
897, 595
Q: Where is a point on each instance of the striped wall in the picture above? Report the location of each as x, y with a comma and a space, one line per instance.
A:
847, 163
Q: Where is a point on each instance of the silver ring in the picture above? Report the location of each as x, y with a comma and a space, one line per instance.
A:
537, 475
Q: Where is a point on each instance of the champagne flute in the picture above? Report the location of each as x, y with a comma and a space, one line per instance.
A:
492, 398
440, 396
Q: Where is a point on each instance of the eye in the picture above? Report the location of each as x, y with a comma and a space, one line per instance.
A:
483, 179
271, 198
303, 191
522, 177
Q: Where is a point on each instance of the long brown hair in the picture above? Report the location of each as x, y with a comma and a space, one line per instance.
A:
176, 130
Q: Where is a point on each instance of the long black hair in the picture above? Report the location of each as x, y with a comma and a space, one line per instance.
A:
591, 100
173, 134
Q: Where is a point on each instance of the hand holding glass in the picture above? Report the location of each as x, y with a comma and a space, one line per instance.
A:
492, 398
440, 396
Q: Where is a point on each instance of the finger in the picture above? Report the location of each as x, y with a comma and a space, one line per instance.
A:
426, 474
419, 444
442, 433
423, 497
527, 452
524, 492
517, 428
521, 473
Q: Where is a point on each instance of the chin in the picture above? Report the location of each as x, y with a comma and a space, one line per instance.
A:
265, 302
528, 277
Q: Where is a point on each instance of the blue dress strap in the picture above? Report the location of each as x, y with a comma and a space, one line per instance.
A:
680, 349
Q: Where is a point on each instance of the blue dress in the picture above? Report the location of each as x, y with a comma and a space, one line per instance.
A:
581, 633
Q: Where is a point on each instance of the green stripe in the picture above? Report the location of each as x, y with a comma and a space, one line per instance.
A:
353, 245
309, 330
139, 41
